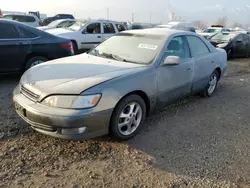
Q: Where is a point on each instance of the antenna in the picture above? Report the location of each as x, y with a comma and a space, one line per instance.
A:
107, 13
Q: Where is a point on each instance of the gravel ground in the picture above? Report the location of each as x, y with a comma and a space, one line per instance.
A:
195, 142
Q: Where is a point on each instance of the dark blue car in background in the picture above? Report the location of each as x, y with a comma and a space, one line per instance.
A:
22, 47
57, 17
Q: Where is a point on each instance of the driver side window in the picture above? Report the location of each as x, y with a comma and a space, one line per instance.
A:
177, 47
239, 38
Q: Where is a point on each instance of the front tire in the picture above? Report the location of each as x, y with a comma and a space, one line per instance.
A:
229, 54
212, 85
127, 118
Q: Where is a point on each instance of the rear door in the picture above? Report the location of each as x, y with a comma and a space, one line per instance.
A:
108, 30
13, 48
204, 64
247, 45
91, 35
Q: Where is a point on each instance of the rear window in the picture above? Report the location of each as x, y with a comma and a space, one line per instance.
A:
8, 31
20, 18
26, 33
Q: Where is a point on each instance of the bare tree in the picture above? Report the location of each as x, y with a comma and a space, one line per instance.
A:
236, 24
222, 21
200, 24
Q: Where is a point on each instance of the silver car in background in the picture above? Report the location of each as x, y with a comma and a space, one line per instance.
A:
117, 84
62, 23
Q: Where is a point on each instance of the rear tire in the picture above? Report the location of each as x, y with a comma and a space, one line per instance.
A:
127, 118
33, 61
212, 85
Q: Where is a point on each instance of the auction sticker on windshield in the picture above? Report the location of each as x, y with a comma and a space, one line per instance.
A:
148, 46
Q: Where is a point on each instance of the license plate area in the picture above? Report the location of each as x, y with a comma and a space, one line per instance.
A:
20, 109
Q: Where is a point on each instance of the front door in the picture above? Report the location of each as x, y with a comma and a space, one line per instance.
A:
92, 35
175, 81
239, 46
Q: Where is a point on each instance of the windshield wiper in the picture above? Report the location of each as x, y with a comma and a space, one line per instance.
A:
115, 57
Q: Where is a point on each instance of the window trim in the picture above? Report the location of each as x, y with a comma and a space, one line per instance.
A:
104, 29
85, 29
165, 46
190, 48
23, 36
116, 27
18, 31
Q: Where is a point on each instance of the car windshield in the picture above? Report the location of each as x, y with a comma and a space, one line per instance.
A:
77, 26
211, 30
54, 23
223, 36
141, 49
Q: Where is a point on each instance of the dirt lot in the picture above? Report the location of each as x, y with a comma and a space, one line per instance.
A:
195, 142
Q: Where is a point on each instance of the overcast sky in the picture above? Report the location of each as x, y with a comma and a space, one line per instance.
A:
122, 10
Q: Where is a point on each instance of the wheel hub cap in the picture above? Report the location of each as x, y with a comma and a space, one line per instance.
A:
130, 118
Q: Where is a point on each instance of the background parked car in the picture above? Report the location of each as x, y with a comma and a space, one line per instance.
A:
132, 26
1, 14
236, 44
28, 19
184, 26
63, 23
22, 46
213, 30
86, 34
57, 17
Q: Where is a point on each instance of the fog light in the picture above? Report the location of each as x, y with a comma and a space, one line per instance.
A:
73, 131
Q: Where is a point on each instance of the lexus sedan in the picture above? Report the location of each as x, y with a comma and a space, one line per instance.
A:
23, 46
113, 87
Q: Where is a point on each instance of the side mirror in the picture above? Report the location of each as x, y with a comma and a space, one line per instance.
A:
172, 60
239, 41
84, 31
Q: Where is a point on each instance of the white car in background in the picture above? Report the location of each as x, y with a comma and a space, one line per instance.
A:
62, 23
28, 19
185, 26
86, 34
211, 31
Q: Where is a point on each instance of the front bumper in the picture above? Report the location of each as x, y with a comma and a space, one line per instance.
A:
62, 123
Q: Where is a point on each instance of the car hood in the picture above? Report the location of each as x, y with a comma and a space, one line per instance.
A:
73, 75
44, 28
59, 31
220, 44
206, 34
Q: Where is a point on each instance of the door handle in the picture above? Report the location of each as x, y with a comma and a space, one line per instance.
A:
212, 61
99, 37
189, 69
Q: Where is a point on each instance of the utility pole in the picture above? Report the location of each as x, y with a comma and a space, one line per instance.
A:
132, 17
150, 19
107, 14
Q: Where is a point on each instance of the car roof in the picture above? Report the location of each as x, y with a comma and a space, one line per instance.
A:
32, 15
102, 20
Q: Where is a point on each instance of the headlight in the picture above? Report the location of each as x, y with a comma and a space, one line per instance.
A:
222, 45
73, 102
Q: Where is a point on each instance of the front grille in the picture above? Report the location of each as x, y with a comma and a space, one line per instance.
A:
31, 95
